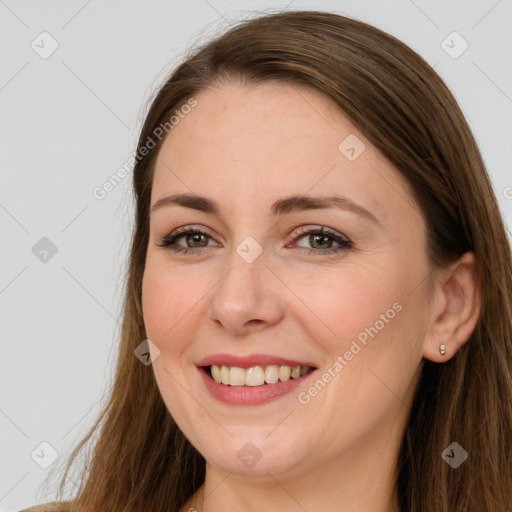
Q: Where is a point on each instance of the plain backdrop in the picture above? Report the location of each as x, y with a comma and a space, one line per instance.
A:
75, 78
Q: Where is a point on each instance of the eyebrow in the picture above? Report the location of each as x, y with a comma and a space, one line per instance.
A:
279, 207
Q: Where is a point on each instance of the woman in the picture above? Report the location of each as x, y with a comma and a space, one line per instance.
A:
322, 280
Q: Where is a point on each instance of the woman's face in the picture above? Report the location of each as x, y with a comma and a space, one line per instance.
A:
260, 290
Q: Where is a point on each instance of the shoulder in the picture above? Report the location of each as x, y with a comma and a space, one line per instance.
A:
54, 506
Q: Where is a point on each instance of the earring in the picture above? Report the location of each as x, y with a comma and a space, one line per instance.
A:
442, 349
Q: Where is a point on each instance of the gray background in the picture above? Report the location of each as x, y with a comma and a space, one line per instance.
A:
69, 121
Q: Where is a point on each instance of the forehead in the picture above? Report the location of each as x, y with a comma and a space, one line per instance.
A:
272, 140
240, 117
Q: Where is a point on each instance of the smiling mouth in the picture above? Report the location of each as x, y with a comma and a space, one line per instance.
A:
255, 375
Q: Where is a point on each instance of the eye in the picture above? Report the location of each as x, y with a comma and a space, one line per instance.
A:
321, 239
194, 238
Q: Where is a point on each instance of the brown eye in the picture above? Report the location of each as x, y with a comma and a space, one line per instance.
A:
197, 238
320, 240
194, 238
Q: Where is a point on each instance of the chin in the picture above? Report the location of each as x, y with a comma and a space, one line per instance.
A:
253, 453
252, 459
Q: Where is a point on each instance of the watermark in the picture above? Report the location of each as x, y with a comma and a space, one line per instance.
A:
454, 45
44, 455
44, 250
44, 45
249, 249
147, 352
454, 455
507, 192
100, 192
351, 147
249, 454
304, 397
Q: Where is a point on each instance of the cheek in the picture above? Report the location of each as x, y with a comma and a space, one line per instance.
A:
167, 305
168, 310
344, 303
370, 320
369, 317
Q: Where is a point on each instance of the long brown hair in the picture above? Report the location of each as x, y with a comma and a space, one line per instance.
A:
142, 461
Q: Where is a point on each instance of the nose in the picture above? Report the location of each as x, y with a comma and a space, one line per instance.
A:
247, 297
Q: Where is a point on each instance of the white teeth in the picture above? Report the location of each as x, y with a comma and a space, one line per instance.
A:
271, 374
224, 375
257, 375
216, 373
284, 373
236, 376
254, 376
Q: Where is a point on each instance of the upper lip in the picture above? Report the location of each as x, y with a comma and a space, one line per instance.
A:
250, 361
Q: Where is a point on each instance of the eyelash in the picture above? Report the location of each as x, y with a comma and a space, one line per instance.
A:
345, 244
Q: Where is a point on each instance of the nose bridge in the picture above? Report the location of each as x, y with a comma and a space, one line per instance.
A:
244, 280
244, 293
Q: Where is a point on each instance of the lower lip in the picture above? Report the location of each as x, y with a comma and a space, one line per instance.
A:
250, 395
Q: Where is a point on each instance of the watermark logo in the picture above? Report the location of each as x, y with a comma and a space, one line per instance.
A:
44, 250
44, 455
351, 147
249, 249
249, 454
44, 45
454, 45
454, 455
147, 352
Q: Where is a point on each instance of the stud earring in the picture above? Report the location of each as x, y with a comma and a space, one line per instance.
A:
442, 349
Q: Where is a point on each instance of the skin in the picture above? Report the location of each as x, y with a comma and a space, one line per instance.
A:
245, 147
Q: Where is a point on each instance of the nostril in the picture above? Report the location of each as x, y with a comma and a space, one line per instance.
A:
257, 321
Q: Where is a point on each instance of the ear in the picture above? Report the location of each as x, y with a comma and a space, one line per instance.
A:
455, 309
